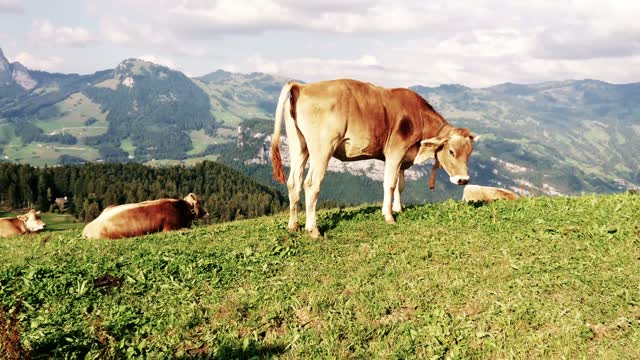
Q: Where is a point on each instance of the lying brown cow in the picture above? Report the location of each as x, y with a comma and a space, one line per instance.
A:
486, 193
22, 224
147, 217
351, 120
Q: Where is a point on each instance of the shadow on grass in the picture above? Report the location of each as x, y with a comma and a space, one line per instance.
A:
236, 351
233, 349
477, 204
331, 220
57, 345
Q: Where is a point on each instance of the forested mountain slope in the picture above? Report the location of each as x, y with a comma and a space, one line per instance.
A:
226, 193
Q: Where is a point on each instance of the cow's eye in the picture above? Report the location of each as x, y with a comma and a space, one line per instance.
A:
451, 153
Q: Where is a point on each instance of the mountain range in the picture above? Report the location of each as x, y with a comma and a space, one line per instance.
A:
562, 137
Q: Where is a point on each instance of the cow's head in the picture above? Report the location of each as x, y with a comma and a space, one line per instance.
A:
198, 211
452, 151
32, 221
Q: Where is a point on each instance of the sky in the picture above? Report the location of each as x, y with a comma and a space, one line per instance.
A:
391, 43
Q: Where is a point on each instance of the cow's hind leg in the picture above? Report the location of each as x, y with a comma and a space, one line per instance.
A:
298, 154
294, 185
397, 204
319, 159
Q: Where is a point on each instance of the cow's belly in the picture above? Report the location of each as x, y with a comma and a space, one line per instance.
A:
350, 150
129, 224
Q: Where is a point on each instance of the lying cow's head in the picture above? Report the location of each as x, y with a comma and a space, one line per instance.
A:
452, 151
198, 211
32, 221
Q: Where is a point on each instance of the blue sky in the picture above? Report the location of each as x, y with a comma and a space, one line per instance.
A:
393, 43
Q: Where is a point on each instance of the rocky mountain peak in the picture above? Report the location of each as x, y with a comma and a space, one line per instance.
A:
15, 73
5, 70
20, 74
136, 67
127, 71
16, 66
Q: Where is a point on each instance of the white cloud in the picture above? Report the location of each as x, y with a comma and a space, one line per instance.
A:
45, 33
170, 63
390, 42
116, 31
315, 69
255, 16
49, 63
223, 14
11, 6
230, 68
122, 31
559, 44
421, 67
368, 60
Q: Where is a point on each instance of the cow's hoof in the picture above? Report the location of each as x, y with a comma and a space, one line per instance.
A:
294, 228
314, 233
390, 220
397, 209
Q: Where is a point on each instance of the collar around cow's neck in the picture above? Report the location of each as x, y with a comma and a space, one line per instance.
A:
23, 225
436, 164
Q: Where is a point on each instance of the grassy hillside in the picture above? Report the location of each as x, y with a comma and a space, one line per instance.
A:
537, 278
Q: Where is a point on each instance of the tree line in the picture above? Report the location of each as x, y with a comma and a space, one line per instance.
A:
226, 193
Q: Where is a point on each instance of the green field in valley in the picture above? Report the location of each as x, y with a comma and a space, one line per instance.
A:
536, 278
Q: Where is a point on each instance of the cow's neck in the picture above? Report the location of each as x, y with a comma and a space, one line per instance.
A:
192, 212
435, 125
22, 225
444, 128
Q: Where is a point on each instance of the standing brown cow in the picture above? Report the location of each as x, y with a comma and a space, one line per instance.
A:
147, 217
351, 120
22, 224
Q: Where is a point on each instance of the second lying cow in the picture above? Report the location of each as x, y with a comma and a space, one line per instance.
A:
22, 224
147, 217
487, 193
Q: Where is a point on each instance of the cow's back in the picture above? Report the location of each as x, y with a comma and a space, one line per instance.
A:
9, 227
360, 113
130, 220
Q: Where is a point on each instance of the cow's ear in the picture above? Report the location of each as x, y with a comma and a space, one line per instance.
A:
474, 138
428, 148
434, 142
192, 196
37, 213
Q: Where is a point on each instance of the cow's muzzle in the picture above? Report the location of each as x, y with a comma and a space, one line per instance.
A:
459, 180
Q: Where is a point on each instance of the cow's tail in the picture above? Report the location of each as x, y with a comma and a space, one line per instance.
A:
276, 159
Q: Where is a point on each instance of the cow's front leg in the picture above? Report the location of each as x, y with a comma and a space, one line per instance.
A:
397, 204
391, 170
